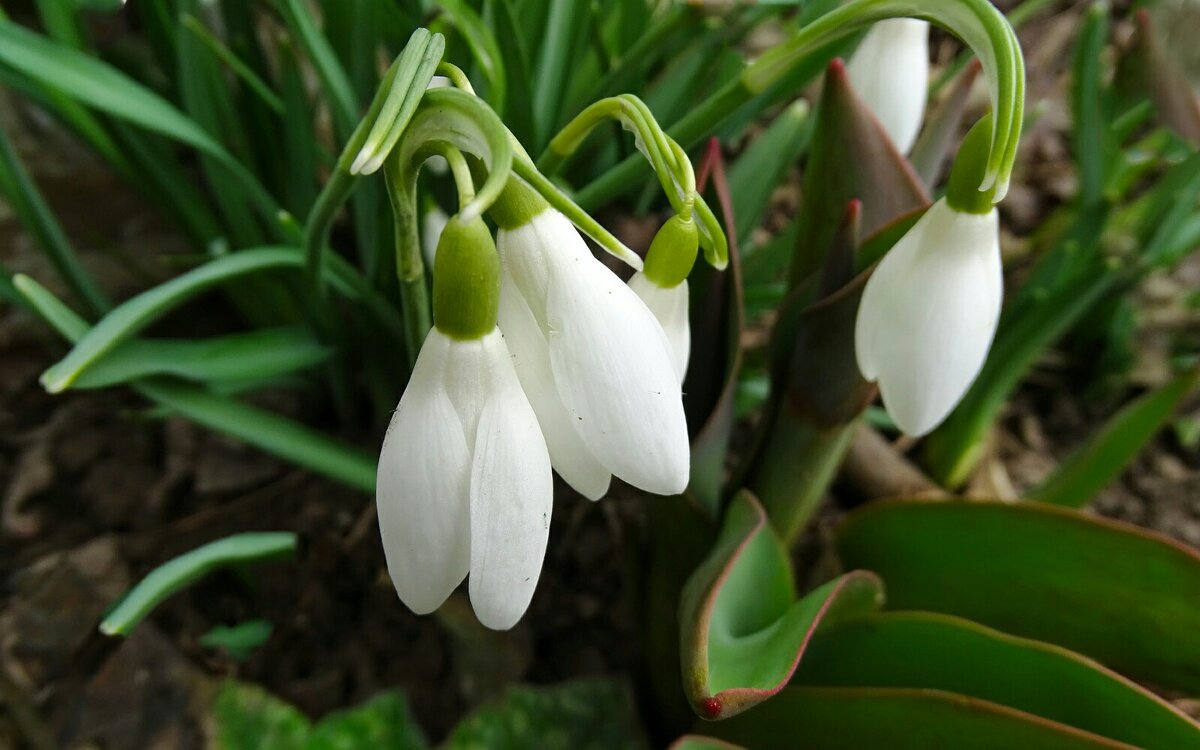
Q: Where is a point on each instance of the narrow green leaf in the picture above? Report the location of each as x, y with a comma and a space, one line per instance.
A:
98, 84
329, 70
1092, 126
29, 205
270, 432
897, 719
566, 25
1112, 591
928, 650
260, 355
743, 631
177, 574
140, 311
234, 63
484, 48
756, 173
1106, 453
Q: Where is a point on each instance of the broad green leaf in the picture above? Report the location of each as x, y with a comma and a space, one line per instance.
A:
593, 714
140, 311
246, 716
1106, 453
897, 719
1115, 592
382, 723
259, 355
743, 631
928, 650
181, 572
270, 432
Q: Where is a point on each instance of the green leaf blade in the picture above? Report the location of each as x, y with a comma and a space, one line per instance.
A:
1115, 592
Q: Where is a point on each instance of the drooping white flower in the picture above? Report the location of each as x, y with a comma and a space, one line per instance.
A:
670, 308
928, 315
890, 70
593, 359
464, 482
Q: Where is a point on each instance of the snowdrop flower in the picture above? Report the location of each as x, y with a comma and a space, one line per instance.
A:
663, 286
464, 481
890, 70
930, 309
594, 361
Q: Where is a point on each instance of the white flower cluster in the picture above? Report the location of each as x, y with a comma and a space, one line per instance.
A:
579, 376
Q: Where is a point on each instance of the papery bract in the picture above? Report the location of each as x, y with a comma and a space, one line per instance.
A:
594, 361
464, 482
928, 315
890, 70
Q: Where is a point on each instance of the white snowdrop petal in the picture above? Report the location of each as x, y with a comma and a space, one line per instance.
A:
614, 372
511, 499
610, 362
929, 313
670, 308
531, 359
890, 70
422, 487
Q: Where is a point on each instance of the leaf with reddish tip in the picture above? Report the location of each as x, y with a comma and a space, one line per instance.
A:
898, 719
742, 629
824, 384
717, 309
1118, 593
851, 157
942, 127
929, 650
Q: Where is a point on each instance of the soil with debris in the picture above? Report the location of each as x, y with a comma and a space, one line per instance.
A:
96, 491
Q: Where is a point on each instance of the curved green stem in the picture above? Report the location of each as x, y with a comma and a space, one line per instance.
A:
976, 22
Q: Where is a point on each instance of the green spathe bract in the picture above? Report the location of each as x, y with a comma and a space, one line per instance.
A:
673, 252
466, 280
963, 191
